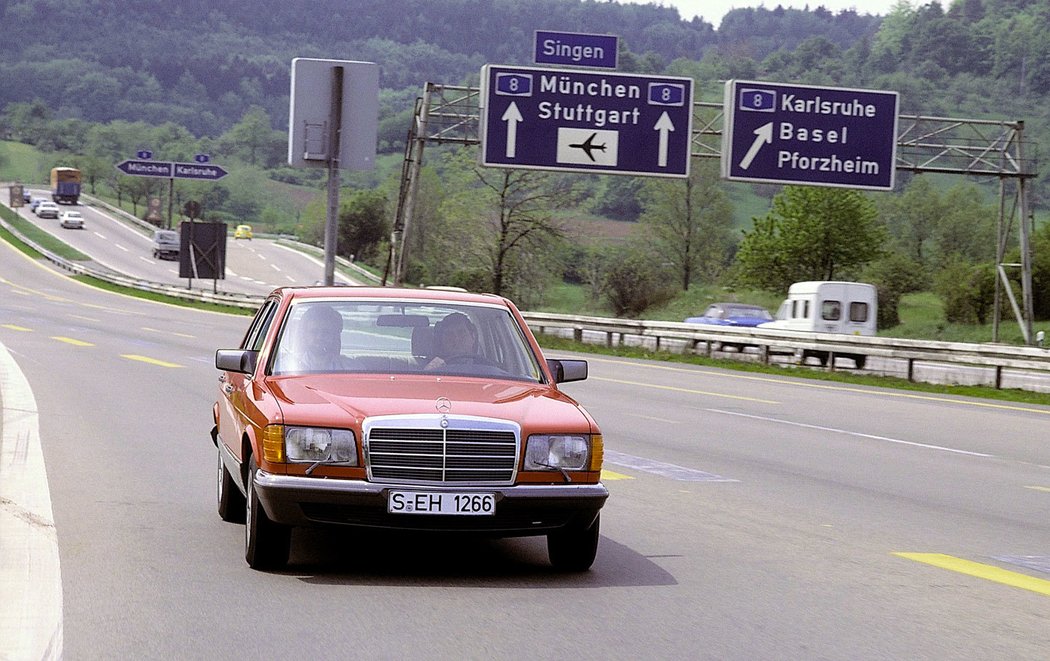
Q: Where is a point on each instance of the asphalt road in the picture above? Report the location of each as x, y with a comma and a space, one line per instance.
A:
750, 517
253, 266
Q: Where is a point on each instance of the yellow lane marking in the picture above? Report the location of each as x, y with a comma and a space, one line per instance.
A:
802, 383
685, 390
167, 332
74, 342
987, 572
145, 359
17, 328
1047, 489
613, 475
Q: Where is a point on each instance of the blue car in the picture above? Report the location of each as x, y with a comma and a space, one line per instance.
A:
732, 314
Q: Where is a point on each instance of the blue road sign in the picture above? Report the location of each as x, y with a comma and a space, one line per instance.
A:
144, 154
576, 49
201, 158
145, 168
169, 170
561, 119
820, 136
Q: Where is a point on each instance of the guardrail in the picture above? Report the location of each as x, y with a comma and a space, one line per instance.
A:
770, 345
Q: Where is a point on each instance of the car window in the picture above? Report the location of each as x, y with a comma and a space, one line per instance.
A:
403, 337
858, 311
253, 339
831, 310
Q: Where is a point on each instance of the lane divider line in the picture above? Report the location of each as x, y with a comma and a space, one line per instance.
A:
609, 475
685, 390
147, 359
73, 341
979, 570
21, 329
847, 432
671, 471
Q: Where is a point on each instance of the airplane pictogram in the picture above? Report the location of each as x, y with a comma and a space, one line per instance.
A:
587, 146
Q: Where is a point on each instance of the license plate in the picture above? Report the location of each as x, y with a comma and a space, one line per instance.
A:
441, 502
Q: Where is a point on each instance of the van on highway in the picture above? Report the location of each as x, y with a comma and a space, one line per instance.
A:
165, 244
827, 306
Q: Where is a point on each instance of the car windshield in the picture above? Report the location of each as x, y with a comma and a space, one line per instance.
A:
421, 337
750, 312
166, 236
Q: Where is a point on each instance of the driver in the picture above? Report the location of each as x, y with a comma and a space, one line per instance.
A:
315, 343
455, 341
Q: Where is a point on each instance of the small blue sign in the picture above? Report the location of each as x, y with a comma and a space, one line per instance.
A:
576, 49
202, 158
144, 154
818, 136
593, 121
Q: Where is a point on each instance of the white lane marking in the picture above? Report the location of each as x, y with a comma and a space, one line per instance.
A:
275, 267
30, 575
99, 235
148, 261
121, 247
672, 471
852, 433
231, 273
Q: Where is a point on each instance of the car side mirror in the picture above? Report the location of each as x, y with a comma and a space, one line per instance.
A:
567, 370
236, 360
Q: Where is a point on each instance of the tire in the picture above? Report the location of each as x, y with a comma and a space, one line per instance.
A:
232, 507
574, 548
266, 544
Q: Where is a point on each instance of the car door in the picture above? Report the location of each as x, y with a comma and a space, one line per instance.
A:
232, 385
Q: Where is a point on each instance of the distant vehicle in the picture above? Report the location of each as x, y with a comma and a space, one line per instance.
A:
243, 232
35, 202
65, 185
823, 306
71, 220
732, 314
165, 244
47, 210
27, 197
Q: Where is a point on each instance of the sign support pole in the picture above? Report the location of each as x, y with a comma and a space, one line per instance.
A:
335, 118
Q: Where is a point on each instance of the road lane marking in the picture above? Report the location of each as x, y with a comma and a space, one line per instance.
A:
167, 332
653, 418
147, 359
73, 341
121, 247
275, 267
852, 433
99, 235
17, 328
609, 475
987, 572
672, 471
685, 390
30, 574
801, 382
1035, 488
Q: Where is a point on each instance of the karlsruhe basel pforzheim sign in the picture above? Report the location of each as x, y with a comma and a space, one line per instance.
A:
559, 119
820, 136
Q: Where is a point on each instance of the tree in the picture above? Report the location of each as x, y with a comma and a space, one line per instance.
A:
811, 233
254, 141
362, 224
689, 223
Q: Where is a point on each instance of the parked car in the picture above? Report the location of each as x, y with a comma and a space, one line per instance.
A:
243, 232
165, 244
403, 409
72, 220
732, 314
47, 210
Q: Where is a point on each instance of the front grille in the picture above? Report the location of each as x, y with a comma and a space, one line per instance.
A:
436, 455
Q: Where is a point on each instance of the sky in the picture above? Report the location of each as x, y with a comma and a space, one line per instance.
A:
712, 11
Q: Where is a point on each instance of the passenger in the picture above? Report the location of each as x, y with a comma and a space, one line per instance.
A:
315, 342
455, 341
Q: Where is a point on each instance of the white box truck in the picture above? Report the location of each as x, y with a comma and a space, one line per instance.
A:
828, 306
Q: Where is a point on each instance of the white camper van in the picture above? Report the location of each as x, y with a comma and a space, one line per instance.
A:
824, 306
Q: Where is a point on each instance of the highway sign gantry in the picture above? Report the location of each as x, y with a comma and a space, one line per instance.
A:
820, 136
570, 120
171, 170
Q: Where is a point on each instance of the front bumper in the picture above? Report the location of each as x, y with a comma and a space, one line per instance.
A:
528, 509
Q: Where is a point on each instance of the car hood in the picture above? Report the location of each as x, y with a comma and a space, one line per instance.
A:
338, 399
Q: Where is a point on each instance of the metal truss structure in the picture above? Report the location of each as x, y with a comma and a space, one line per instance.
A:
450, 114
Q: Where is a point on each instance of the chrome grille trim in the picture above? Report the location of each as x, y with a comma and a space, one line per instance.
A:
418, 450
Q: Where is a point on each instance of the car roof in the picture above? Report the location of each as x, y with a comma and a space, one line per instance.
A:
393, 293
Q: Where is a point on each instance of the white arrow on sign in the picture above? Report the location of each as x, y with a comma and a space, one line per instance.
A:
763, 135
664, 125
512, 116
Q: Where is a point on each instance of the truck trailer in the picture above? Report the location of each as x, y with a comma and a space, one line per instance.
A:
65, 185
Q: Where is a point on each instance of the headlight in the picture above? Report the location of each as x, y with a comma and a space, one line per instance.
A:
315, 444
557, 452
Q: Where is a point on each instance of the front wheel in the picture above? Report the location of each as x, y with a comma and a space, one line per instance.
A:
574, 548
266, 544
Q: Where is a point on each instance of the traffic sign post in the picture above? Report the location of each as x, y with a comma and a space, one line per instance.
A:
820, 136
570, 120
171, 170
